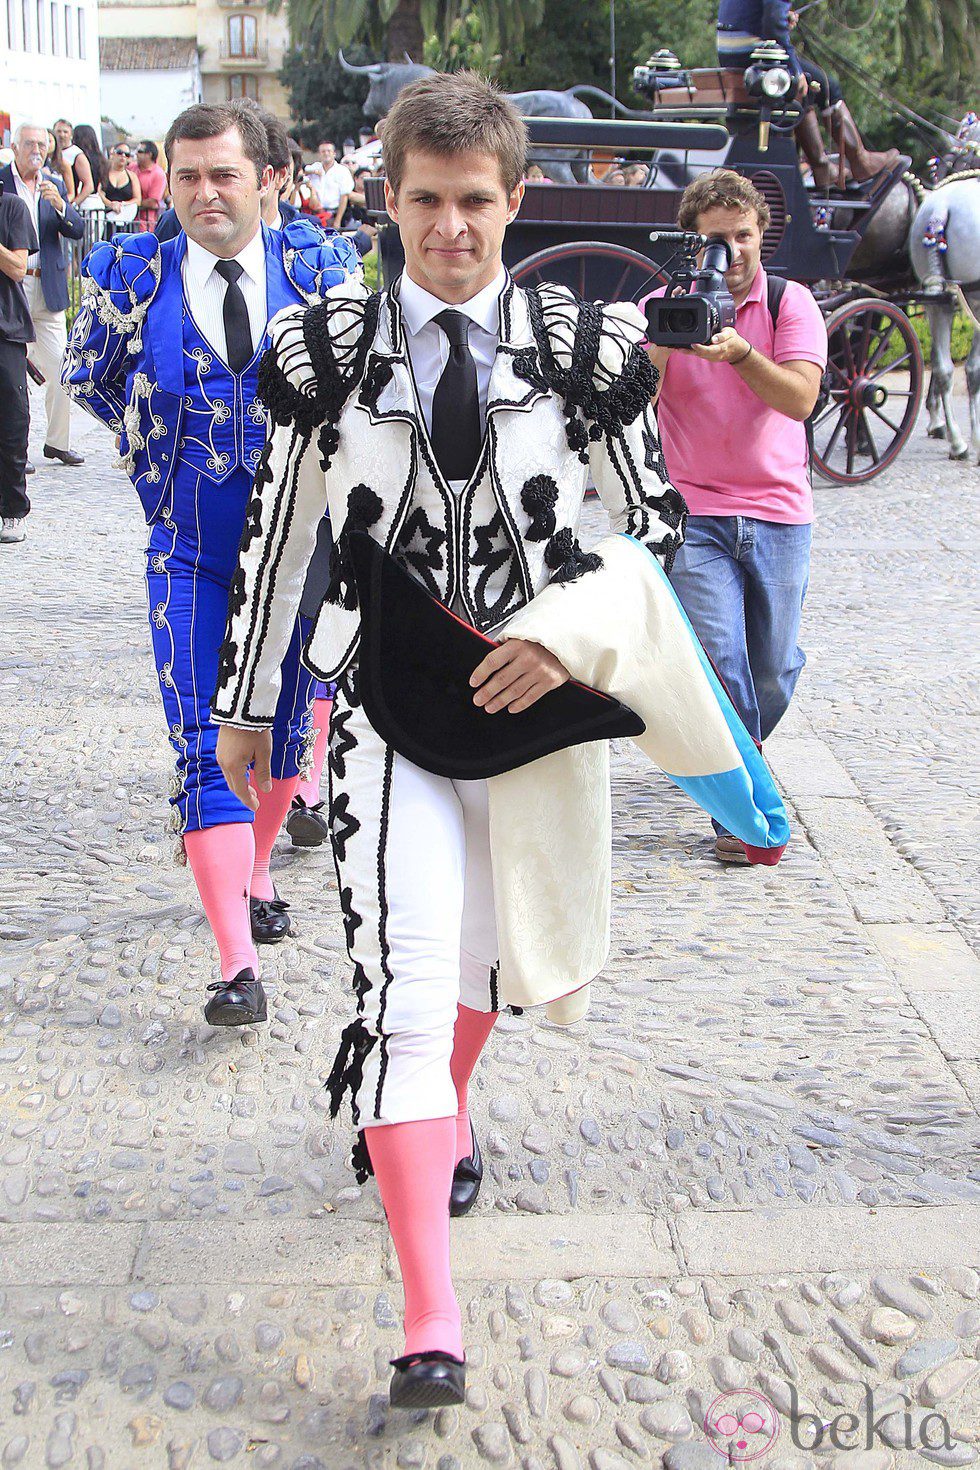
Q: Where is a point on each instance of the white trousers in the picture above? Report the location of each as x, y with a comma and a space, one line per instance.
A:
413, 865
46, 354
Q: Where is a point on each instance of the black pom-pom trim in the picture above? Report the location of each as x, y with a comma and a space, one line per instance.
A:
564, 557
539, 498
364, 508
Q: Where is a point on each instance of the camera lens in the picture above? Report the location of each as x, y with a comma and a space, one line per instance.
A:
681, 320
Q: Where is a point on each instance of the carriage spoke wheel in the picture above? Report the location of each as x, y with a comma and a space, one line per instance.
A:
593, 270
871, 392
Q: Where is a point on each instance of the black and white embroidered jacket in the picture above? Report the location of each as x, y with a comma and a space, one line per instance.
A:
569, 398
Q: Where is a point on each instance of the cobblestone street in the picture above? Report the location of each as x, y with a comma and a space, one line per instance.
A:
755, 1165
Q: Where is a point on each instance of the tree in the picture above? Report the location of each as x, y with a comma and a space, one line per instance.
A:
396, 28
324, 100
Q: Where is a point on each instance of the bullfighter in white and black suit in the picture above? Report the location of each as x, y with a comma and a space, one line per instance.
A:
458, 419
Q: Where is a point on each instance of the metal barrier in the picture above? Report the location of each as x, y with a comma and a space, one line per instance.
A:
100, 224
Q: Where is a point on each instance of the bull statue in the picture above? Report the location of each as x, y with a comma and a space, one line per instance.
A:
387, 78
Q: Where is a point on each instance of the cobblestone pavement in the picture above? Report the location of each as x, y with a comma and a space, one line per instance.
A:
754, 1167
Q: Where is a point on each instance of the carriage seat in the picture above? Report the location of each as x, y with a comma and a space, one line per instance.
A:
710, 86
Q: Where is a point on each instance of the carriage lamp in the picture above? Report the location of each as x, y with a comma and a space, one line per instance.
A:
769, 79
662, 69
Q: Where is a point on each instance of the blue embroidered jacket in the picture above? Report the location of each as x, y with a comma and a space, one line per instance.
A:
125, 359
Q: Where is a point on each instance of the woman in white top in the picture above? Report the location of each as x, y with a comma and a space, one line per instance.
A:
57, 164
87, 163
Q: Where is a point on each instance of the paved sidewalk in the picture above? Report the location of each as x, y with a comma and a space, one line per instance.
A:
756, 1165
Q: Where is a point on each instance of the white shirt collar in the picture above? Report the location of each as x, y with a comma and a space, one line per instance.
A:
33, 188
201, 263
419, 306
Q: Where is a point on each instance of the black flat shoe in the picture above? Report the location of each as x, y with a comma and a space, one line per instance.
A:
66, 456
306, 825
238, 1002
427, 1381
270, 922
467, 1178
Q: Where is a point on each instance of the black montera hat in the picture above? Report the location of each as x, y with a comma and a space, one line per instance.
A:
416, 658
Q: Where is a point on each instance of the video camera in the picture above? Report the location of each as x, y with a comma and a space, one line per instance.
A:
698, 302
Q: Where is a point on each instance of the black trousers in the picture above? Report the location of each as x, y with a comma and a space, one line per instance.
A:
15, 421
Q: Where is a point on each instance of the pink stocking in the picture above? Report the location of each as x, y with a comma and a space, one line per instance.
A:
309, 789
273, 806
472, 1030
413, 1164
221, 860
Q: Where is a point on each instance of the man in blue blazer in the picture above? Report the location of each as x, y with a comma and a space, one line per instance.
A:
166, 352
46, 282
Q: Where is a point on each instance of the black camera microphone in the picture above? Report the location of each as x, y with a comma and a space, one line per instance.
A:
704, 307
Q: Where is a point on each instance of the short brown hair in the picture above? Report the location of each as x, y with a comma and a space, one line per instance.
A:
457, 112
723, 188
211, 119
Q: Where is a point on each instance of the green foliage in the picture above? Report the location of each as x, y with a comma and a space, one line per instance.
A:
324, 100
391, 27
926, 53
963, 330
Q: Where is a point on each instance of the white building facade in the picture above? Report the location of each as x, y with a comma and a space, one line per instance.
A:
49, 62
146, 83
159, 56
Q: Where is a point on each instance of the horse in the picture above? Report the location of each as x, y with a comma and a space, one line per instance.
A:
935, 233
951, 207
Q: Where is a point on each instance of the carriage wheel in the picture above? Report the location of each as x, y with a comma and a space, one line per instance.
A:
871, 392
593, 269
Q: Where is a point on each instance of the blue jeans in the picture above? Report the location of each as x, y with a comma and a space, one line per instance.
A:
742, 583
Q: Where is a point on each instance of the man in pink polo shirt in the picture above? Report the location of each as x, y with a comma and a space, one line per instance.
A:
731, 419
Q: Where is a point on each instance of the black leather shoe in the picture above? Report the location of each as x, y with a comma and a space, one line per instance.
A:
66, 456
467, 1178
238, 1002
427, 1381
306, 825
28, 468
270, 922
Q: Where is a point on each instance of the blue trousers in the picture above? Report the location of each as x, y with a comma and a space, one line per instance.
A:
191, 557
742, 583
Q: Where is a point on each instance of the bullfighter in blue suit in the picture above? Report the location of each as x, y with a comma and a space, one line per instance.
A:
166, 353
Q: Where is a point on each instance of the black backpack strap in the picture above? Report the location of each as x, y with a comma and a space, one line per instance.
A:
775, 291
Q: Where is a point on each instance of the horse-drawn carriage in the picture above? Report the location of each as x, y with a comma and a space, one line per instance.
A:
615, 243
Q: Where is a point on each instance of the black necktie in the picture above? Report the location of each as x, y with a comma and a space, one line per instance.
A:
456, 432
238, 332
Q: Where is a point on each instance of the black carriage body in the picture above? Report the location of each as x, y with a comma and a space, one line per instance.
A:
799, 243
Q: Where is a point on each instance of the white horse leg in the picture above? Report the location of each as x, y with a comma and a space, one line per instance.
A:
973, 375
935, 427
941, 384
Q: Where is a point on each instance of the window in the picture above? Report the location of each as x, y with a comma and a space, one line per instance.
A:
242, 35
81, 33
25, 21
12, 24
69, 32
39, 24
55, 31
243, 86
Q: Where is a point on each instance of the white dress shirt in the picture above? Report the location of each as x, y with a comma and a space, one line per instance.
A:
428, 345
32, 198
206, 289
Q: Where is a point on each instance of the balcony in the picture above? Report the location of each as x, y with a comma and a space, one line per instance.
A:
256, 60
